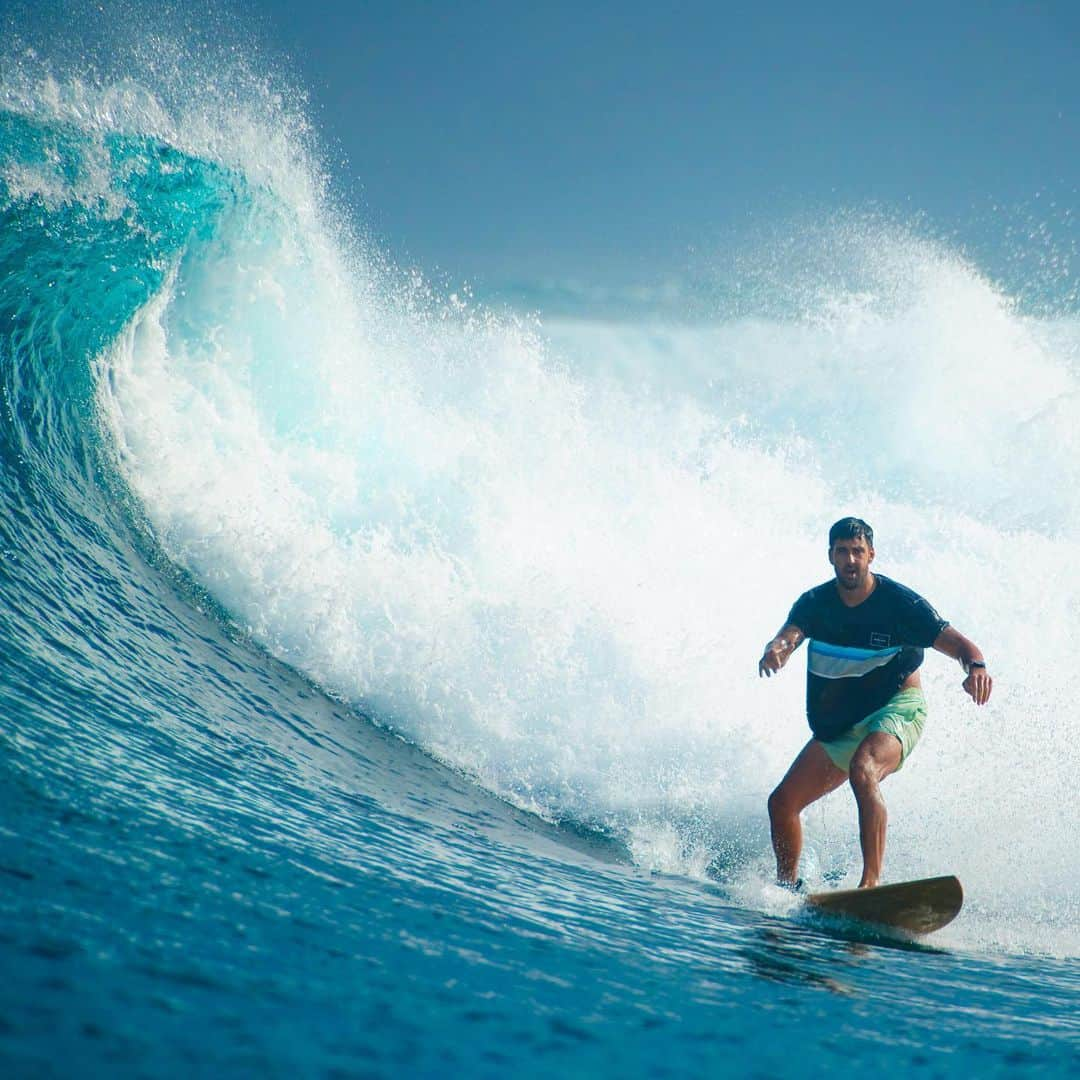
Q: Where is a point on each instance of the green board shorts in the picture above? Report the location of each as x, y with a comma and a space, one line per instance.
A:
903, 716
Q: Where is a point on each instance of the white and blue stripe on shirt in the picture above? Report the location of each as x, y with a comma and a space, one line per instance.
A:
843, 662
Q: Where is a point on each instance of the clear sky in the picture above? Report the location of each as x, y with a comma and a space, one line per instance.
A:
528, 139
507, 135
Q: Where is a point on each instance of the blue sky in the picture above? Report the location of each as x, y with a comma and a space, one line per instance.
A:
515, 140
507, 137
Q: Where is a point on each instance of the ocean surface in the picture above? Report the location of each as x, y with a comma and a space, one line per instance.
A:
380, 691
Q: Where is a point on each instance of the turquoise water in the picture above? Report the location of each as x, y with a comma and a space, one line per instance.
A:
381, 686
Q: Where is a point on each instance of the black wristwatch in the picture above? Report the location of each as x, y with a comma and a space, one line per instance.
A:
974, 664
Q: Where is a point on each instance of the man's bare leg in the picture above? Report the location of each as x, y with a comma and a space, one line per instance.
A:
812, 774
878, 756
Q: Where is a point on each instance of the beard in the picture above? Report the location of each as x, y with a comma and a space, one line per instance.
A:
852, 582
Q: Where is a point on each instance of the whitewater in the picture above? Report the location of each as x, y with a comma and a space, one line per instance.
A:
381, 681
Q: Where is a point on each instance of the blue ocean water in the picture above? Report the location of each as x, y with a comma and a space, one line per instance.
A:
380, 687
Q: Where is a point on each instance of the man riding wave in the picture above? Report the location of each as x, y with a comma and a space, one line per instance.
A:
864, 698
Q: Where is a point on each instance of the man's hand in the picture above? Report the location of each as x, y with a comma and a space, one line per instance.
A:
979, 684
774, 657
779, 650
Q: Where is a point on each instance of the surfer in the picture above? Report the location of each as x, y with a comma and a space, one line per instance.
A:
864, 699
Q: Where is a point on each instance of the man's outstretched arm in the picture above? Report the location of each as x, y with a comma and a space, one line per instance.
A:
978, 682
779, 649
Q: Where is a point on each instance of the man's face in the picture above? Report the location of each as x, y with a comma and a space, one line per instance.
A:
851, 560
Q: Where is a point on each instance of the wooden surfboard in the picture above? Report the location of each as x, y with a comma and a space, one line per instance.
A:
918, 907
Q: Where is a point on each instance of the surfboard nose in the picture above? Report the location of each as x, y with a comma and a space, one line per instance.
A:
917, 907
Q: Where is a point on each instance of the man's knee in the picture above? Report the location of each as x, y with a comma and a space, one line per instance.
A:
863, 775
875, 759
781, 803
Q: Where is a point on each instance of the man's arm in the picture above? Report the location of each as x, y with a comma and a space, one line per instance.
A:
779, 649
978, 682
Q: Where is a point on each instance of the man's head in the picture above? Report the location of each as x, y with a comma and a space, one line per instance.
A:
851, 551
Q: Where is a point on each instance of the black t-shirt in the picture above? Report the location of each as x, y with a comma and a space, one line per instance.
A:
859, 656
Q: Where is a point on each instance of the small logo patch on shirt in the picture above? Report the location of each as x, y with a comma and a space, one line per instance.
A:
880, 641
